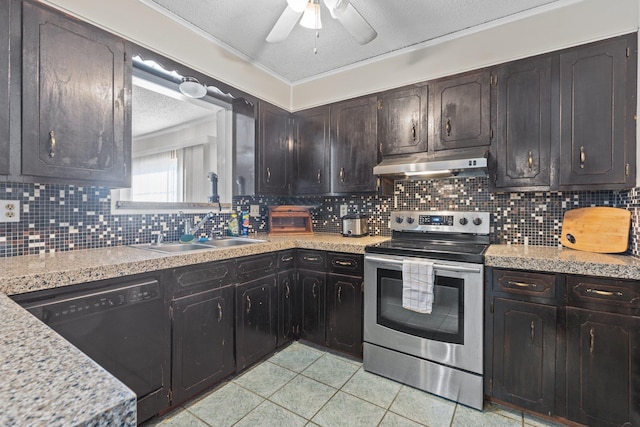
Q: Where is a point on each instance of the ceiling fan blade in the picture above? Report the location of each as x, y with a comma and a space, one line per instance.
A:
284, 25
352, 21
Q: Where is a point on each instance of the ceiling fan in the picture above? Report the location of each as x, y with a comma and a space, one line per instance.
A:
342, 10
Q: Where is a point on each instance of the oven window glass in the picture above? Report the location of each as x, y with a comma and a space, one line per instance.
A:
446, 321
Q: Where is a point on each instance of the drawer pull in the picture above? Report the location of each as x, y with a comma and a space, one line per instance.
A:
344, 263
521, 284
287, 259
604, 293
311, 258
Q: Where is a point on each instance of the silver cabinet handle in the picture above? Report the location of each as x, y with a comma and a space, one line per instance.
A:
287, 291
52, 144
313, 291
319, 176
583, 157
286, 259
521, 284
533, 332
447, 127
344, 263
268, 175
311, 258
530, 160
592, 340
219, 312
341, 174
248, 304
340, 294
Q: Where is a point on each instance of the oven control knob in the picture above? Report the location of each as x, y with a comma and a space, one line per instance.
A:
410, 220
463, 221
399, 219
477, 221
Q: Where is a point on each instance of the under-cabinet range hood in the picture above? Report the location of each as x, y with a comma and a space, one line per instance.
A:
428, 165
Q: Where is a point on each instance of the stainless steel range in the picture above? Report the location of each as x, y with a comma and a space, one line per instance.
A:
440, 352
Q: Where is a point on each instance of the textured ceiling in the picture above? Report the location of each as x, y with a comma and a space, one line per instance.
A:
154, 112
243, 25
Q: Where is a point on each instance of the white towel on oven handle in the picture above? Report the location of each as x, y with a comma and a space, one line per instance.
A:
417, 285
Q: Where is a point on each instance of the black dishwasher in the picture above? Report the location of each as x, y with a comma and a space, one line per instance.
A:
121, 326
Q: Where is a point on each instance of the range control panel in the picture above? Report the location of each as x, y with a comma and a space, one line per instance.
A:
441, 222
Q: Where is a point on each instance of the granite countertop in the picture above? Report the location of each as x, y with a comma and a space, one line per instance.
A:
46, 381
562, 260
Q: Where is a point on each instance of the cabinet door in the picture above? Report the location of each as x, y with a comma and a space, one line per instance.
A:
524, 352
287, 306
597, 131
603, 375
312, 285
274, 150
312, 151
5, 8
344, 313
462, 111
522, 146
202, 341
256, 320
76, 101
353, 146
403, 121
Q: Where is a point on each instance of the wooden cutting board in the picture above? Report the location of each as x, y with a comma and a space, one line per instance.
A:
600, 229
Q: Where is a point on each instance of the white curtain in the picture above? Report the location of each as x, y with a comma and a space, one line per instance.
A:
155, 178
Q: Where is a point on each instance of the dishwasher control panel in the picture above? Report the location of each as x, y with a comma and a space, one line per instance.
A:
67, 309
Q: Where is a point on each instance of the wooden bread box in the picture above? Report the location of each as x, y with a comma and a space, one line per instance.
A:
290, 220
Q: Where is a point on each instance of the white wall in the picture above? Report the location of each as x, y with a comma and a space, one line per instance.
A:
576, 23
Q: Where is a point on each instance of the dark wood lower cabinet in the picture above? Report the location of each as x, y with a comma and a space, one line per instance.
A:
256, 320
344, 313
287, 307
312, 285
603, 368
524, 352
202, 341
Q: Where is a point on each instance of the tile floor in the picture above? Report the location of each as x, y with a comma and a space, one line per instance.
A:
304, 386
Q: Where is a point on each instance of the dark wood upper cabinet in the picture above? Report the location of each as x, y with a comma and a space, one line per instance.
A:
311, 151
461, 111
76, 101
403, 121
5, 8
353, 146
522, 123
597, 108
274, 172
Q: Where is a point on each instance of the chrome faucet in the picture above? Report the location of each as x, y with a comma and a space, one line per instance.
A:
192, 230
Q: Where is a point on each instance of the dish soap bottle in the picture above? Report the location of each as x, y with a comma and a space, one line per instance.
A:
233, 225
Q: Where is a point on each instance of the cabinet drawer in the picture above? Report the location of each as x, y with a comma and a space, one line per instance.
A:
345, 263
600, 294
312, 260
524, 283
195, 278
253, 267
286, 260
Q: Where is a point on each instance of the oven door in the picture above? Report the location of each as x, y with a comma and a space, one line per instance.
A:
451, 335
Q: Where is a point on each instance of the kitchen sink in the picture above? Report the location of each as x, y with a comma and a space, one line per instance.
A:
176, 247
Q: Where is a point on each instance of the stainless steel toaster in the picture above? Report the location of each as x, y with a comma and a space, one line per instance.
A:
355, 225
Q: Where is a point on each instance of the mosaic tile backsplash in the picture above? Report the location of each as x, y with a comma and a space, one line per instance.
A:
64, 217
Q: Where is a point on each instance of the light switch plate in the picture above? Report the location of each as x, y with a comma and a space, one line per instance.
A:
254, 210
343, 210
9, 211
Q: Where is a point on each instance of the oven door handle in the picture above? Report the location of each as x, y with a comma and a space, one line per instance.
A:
441, 267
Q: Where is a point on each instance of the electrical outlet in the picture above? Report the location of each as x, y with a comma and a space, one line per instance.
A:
343, 210
9, 211
254, 210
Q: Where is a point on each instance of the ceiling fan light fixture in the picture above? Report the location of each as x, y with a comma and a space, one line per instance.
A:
311, 17
191, 87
